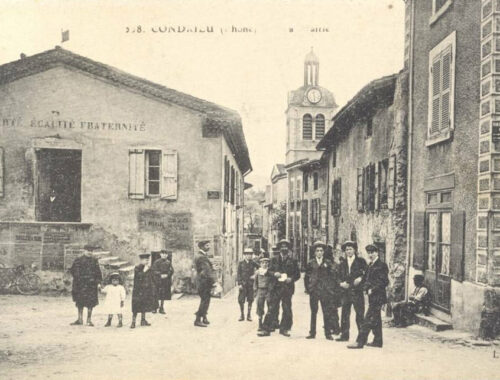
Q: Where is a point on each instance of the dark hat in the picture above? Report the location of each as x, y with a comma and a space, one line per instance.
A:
349, 243
144, 255
284, 241
418, 277
202, 243
371, 248
248, 251
89, 247
264, 259
115, 275
319, 243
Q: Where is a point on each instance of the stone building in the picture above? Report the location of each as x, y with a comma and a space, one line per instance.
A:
92, 154
310, 109
365, 157
454, 161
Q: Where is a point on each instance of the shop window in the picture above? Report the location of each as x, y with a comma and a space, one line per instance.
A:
320, 127
307, 127
152, 173
441, 94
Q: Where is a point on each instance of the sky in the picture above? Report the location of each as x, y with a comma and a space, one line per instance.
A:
251, 70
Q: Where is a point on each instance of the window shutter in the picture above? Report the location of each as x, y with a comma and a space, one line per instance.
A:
360, 189
232, 184
377, 186
304, 212
436, 95
2, 176
372, 185
339, 196
226, 179
137, 170
391, 181
169, 173
457, 245
445, 89
418, 236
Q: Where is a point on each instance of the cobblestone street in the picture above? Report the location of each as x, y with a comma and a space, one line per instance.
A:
38, 342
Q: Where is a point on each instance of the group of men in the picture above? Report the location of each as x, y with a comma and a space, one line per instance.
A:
328, 283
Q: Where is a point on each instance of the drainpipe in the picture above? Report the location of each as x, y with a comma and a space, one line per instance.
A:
409, 148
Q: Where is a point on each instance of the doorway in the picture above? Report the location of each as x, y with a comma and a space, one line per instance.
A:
58, 190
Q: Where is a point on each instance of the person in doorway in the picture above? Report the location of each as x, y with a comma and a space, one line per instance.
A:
205, 272
404, 312
87, 278
162, 274
320, 282
143, 294
376, 280
286, 270
352, 268
262, 286
115, 299
245, 278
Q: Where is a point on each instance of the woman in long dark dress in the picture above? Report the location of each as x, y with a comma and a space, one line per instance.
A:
143, 294
163, 272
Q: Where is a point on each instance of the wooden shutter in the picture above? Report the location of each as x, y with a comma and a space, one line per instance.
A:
435, 95
359, 193
391, 182
305, 205
418, 240
445, 88
457, 245
232, 184
371, 187
226, 179
2, 176
377, 186
137, 170
169, 175
338, 197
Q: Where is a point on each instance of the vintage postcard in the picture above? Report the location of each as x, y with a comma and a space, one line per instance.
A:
268, 189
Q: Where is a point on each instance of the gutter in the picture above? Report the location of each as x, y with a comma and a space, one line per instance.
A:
409, 155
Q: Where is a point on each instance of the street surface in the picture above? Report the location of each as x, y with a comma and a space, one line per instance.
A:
37, 342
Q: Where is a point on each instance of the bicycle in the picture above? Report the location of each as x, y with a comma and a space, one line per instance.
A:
25, 282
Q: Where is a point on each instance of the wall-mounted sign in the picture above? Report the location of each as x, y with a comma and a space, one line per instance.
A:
213, 195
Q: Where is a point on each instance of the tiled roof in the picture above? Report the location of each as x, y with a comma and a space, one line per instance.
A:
226, 120
377, 91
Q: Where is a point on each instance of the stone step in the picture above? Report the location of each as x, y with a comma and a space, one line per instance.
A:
127, 268
107, 260
432, 322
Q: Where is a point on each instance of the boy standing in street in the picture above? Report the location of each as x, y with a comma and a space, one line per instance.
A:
244, 279
262, 286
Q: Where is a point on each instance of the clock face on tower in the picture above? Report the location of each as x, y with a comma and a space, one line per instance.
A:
314, 95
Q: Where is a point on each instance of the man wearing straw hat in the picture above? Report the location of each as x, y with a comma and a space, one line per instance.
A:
286, 271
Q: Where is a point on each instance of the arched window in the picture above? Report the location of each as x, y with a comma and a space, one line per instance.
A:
307, 132
320, 126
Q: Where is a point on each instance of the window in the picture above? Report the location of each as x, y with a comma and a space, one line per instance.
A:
306, 182
359, 189
152, 173
315, 210
383, 167
291, 188
315, 181
226, 179
334, 158
307, 127
441, 90
439, 199
305, 212
233, 183
376, 185
369, 128
336, 197
439, 242
391, 182
320, 126
439, 7
299, 189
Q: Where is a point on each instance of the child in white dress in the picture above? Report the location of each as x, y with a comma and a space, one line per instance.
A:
115, 297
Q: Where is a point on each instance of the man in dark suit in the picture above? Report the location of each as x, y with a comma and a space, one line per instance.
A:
352, 269
245, 278
286, 271
375, 281
206, 281
320, 282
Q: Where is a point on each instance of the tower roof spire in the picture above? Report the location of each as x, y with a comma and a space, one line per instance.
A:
311, 57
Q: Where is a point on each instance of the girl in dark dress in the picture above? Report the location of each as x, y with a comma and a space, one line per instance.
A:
163, 272
143, 294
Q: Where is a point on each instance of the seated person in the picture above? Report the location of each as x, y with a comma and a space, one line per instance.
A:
404, 312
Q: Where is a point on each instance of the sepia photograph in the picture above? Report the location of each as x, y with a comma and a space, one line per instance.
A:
237, 189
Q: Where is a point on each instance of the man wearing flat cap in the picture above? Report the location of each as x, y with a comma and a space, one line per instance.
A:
244, 279
351, 271
87, 278
375, 281
321, 282
286, 271
205, 280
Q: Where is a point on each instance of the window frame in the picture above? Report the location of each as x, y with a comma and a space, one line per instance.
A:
311, 127
319, 117
438, 243
147, 167
436, 55
437, 13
